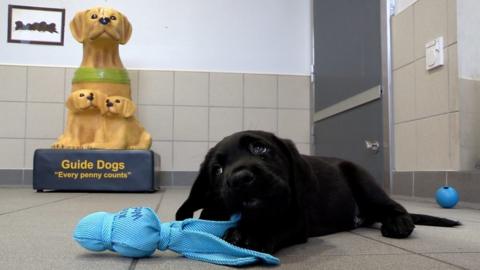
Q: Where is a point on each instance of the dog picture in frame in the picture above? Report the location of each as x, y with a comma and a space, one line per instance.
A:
36, 25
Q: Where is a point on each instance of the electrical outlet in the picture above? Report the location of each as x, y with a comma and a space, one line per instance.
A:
434, 53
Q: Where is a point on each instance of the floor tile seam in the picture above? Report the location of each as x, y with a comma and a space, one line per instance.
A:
378, 254
411, 251
347, 255
469, 220
42, 204
133, 263
162, 195
451, 252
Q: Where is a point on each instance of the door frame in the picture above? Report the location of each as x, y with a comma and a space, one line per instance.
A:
386, 9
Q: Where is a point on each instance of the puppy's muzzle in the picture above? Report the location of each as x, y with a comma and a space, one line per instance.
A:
109, 103
90, 97
240, 179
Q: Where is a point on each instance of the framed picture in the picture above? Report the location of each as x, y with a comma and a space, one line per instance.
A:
36, 25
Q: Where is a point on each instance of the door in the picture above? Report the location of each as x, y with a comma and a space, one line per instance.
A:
351, 108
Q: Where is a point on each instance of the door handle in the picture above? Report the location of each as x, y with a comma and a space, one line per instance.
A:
373, 146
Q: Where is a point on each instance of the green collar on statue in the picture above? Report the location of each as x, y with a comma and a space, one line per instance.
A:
103, 75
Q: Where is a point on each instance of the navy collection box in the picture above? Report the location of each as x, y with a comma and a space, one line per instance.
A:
96, 170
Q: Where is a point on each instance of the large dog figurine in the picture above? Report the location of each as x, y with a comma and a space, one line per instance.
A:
101, 31
284, 197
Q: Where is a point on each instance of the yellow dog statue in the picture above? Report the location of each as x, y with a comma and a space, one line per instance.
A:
101, 74
120, 129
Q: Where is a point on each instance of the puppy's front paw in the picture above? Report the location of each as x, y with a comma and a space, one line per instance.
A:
92, 146
238, 238
233, 236
183, 214
89, 146
398, 226
58, 146
135, 148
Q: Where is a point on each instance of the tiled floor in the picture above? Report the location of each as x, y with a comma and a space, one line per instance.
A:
36, 229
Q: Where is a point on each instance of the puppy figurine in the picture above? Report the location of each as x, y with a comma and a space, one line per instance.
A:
83, 118
120, 129
101, 31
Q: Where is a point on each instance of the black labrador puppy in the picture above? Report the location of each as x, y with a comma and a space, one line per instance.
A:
285, 197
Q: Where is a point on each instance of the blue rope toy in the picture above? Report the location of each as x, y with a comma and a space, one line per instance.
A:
137, 232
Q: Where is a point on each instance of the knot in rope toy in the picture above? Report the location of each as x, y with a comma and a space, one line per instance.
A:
137, 232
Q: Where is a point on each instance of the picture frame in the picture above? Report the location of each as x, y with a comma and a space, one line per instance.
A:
36, 25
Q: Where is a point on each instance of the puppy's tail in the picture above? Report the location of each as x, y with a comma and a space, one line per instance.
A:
420, 219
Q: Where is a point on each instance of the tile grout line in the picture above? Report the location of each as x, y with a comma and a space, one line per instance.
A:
64, 98
174, 74
64, 114
211, 106
410, 251
448, 67
413, 184
209, 110
33, 102
277, 92
415, 113
243, 102
134, 262
454, 252
421, 57
25, 128
42, 204
424, 117
138, 85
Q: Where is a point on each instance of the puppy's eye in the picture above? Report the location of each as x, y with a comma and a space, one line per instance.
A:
218, 170
257, 148
94, 16
82, 95
117, 100
113, 18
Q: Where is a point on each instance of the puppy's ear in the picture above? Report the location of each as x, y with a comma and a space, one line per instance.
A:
128, 108
291, 151
126, 30
200, 192
299, 172
70, 103
77, 25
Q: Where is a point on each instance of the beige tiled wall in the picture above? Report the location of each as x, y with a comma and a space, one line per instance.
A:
469, 123
425, 102
186, 112
437, 123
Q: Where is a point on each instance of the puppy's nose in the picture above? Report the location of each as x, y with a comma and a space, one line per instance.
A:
109, 104
90, 97
104, 20
240, 179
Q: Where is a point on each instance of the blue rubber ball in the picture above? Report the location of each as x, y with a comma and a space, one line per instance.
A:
447, 197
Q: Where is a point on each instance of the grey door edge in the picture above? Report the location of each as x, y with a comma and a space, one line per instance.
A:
387, 8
